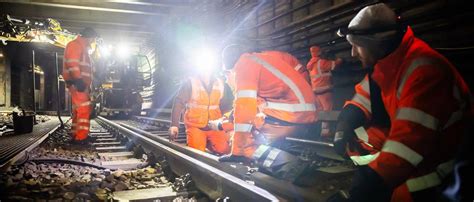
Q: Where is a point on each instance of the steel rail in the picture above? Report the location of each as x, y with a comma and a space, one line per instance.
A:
208, 179
282, 188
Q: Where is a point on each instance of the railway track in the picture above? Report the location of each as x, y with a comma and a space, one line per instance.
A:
329, 175
118, 165
142, 161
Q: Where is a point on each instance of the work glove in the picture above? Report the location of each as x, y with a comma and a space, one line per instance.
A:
215, 125
343, 135
173, 133
80, 85
233, 158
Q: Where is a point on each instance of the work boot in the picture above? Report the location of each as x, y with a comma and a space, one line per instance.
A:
89, 140
233, 158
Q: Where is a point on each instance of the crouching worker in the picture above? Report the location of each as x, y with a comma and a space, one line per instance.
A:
202, 97
422, 98
272, 101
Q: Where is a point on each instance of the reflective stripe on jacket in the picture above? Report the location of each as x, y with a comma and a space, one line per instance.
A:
428, 105
76, 61
320, 73
268, 84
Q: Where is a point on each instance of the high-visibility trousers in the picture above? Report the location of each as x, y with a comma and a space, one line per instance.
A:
216, 141
81, 110
325, 103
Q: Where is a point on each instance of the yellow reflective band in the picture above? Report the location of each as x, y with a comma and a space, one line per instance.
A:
431, 179
365, 85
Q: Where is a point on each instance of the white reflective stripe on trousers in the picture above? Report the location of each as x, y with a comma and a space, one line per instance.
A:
431, 179
71, 60
271, 157
82, 128
82, 104
260, 151
417, 116
402, 151
82, 121
72, 69
413, 66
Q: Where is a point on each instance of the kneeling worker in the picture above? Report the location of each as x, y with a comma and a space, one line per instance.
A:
203, 98
272, 101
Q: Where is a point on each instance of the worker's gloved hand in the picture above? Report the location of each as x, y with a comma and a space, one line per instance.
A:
233, 158
173, 132
343, 135
368, 185
215, 124
80, 85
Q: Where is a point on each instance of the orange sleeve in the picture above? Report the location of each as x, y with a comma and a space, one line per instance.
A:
72, 57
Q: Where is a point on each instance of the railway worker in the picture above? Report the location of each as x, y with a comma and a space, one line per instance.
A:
77, 72
425, 103
272, 101
320, 73
203, 97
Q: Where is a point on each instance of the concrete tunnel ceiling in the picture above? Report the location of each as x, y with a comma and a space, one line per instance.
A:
128, 21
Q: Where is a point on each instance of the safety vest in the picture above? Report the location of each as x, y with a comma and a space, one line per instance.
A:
203, 106
76, 62
428, 105
267, 84
320, 73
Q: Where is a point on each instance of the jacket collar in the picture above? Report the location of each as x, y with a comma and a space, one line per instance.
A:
395, 58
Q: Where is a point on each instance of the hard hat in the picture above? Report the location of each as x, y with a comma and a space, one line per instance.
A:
89, 33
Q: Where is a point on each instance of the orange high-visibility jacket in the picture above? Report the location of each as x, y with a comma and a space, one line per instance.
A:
292, 61
76, 62
320, 73
268, 84
428, 105
203, 106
